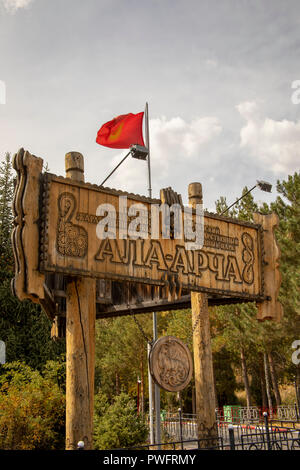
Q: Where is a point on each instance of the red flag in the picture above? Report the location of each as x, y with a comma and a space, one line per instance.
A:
122, 132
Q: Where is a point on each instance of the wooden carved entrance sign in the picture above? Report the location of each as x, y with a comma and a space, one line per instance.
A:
58, 248
56, 231
171, 364
229, 262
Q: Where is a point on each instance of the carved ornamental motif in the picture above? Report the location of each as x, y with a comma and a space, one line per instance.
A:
171, 364
248, 258
72, 239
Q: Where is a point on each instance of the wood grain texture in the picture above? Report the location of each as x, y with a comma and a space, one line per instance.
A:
171, 364
80, 362
271, 308
203, 362
80, 338
227, 264
203, 366
28, 282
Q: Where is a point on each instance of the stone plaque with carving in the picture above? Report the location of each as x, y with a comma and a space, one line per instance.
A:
171, 364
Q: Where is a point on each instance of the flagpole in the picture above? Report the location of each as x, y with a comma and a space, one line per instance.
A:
148, 147
152, 441
154, 316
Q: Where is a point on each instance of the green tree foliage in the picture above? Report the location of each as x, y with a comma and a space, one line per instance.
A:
32, 409
121, 353
117, 425
180, 325
225, 380
6, 217
287, 206
238, 323
26, 330
23, 326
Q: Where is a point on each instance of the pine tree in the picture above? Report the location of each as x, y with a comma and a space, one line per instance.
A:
287, 206
6, 216
273, 342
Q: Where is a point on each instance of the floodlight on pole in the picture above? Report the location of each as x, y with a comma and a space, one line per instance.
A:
263, 185
139, 152
136, 151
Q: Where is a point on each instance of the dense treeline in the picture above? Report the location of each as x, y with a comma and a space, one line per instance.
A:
252, 360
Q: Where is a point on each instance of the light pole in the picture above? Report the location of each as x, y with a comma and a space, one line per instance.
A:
138, 395
263, 185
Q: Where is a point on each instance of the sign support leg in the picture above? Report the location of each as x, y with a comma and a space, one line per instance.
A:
80, 344
203, 364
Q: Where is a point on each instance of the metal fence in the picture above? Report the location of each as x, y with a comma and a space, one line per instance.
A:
244, 428
240, 414
180, 433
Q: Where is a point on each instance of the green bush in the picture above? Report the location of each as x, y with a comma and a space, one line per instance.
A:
32, 410
117, 425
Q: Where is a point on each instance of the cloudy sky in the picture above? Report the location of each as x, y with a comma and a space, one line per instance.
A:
217, 75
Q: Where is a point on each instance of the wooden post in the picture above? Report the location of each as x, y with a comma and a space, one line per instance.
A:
80, 343
203, 365
270, 308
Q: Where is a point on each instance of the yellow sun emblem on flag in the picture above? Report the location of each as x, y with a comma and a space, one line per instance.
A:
115, 134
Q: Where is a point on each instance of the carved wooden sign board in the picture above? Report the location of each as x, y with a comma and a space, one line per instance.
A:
229, 261
59, 217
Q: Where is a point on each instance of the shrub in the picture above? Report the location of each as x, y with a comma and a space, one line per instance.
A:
32, 410
117, 425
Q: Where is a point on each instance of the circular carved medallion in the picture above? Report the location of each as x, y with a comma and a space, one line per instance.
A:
171, 364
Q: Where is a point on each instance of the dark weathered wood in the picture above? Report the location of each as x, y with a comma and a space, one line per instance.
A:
28, 282
271, 308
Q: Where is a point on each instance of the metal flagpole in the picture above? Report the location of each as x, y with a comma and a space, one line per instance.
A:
151, 427
156, 391
149, 346
148, 147
154, 316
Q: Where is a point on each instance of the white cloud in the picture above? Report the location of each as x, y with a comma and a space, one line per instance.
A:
14, 5
247, 109
276, 144
173, 143
183, 137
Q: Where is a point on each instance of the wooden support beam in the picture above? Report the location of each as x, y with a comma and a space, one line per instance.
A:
203, 364
270, 309
80, 340
80, 344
